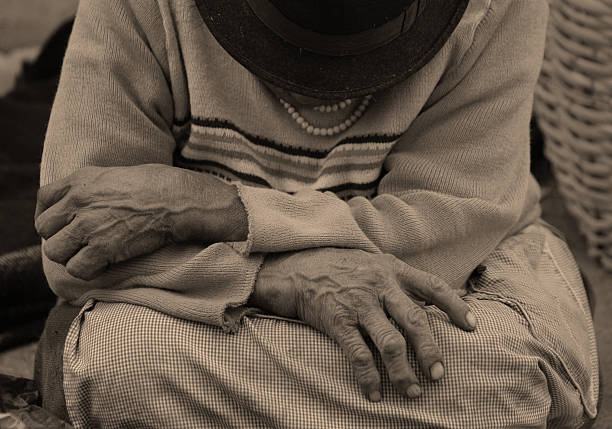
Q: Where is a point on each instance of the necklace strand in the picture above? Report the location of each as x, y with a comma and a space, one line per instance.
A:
329, 131
333, 107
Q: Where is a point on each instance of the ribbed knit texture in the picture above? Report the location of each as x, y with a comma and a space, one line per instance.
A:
436, 172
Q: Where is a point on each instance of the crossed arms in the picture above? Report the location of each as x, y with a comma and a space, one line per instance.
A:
100, 216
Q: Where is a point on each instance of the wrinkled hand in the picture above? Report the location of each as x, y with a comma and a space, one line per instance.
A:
99, 216
340, 291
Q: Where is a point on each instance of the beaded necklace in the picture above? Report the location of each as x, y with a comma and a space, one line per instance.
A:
333, 107
328, 131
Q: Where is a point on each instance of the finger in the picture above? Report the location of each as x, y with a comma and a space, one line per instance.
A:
50, 194
53, 219
90, 262
437, 292
360, 357
102, 251
64, 244
392, 347
413, 321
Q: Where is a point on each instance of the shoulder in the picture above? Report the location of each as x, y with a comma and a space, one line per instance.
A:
511, 32
483, 19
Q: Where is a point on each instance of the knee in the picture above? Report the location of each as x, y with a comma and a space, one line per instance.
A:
114, 348
506, 368
497, 366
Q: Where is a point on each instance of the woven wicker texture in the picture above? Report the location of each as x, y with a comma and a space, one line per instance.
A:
573, 105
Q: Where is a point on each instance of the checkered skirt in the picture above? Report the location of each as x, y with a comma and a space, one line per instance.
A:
531, 362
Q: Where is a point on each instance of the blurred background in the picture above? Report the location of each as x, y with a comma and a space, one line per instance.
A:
26, 94
572, 159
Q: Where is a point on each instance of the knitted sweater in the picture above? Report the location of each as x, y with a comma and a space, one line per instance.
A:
436, 172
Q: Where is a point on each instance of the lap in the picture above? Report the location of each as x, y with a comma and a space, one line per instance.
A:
531, 359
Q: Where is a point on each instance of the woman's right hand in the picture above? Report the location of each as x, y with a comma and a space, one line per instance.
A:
339, 291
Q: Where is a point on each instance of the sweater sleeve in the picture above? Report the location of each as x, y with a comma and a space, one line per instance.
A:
457, 181
115, 106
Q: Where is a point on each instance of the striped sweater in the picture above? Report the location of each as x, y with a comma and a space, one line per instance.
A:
436, 171
351, 167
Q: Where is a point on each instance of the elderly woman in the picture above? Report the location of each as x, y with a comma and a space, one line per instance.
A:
273, 213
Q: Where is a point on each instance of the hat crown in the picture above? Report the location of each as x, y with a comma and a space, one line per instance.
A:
337, 17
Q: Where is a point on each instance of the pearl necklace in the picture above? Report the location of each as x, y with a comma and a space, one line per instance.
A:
333, 107
337, 129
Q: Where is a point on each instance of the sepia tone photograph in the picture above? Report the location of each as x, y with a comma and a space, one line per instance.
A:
305, 214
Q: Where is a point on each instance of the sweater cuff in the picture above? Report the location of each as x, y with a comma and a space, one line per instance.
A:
210, 286
235, 310
281, 222
244, 247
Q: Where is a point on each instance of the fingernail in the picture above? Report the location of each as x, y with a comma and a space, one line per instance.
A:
436, 371
375, 396
470, 319
413, 391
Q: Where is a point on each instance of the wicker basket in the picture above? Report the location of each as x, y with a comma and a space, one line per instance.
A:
573, 105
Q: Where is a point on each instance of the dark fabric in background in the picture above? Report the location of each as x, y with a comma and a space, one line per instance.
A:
25, 298
24, 114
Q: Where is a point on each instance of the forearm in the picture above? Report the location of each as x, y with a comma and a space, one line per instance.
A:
106, 113
442, 234
206, 284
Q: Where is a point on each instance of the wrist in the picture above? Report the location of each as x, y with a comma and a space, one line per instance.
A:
275, 290
219, 216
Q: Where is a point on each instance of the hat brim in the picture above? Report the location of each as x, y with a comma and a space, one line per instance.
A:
260, 50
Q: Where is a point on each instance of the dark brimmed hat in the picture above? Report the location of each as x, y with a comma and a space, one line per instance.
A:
332, 49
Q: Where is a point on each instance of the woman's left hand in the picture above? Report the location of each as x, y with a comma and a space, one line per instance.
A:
347, 293
99, 216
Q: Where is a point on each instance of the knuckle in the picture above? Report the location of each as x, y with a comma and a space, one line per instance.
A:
50, 250
458, 306
96, 252
45, 191
436, 286
402, 378
74, 233
368, 379
40, 226
72, 198
430, 350
75, 265
392, 344
80, 227
360, 358
418, 320
40, 193
79, 268
343, 319
56, 251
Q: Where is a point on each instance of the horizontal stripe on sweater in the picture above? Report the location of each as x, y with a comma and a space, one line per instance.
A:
293, 182
210, 124
228, 139
222, 146
227, 173
275, 168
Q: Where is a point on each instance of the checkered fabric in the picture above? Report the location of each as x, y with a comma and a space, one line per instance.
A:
532, 361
